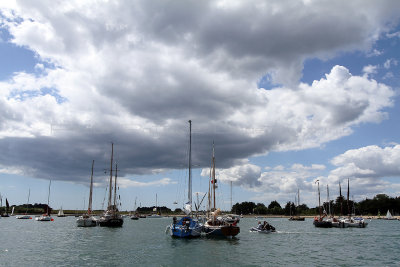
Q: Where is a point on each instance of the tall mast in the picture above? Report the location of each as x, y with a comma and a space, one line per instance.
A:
231, 197
27, 206
111, 167
213, 176
48, 199
190, 164
91, 191
341, 200
298, 197
329, 201
319, 201
115, 187
348, 196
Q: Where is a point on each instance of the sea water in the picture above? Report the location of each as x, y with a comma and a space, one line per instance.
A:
145, 243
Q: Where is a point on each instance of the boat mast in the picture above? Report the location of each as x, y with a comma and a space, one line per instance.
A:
348, 196
341, 200
27, 206
319, 201
298, 197
213, 177
48, 199
135, 204
231, 197
115, 187
329, 201
91, 191
111, 166
190, 164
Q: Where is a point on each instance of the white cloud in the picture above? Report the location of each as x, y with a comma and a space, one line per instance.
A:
394, 34
370, 69
136, 81
246, 175
374, 53
368, 162
125, 183
390, 62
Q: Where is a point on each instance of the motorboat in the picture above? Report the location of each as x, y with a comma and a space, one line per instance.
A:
44, 218
263, 228
24, 217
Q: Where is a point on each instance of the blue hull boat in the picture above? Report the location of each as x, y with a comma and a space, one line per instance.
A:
187, 227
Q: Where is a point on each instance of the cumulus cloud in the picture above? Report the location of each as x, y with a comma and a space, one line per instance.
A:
274, 183
246, 175
135, 72
366, 168
368, 162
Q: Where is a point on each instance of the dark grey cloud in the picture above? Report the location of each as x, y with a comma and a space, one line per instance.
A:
134, 73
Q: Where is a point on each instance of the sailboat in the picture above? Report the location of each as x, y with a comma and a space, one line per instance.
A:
26, 216
216, 225
389, 216
321, 221
60, 213
156, 214
352, 221
87, 220
7, 208
111, 217
187, 226
135, 215
297, 217
46, 216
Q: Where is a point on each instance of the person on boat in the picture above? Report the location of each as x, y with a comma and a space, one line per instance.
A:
268, 227
259, 226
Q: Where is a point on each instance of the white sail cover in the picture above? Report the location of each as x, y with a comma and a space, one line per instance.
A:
188, 208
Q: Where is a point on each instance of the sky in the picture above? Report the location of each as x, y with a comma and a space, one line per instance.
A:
290, 92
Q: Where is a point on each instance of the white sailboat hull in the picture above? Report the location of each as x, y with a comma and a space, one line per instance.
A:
24, 217
86, 222
44, 218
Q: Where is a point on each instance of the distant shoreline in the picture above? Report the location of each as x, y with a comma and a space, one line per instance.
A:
243, 216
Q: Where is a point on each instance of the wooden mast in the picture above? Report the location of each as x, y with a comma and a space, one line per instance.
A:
48, 199
115, 187
91, 191
319, 201
111, 166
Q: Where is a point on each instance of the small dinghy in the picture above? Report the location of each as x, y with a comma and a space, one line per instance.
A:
264, 228
255, 229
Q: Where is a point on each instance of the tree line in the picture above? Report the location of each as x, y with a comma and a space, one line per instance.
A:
378, 205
